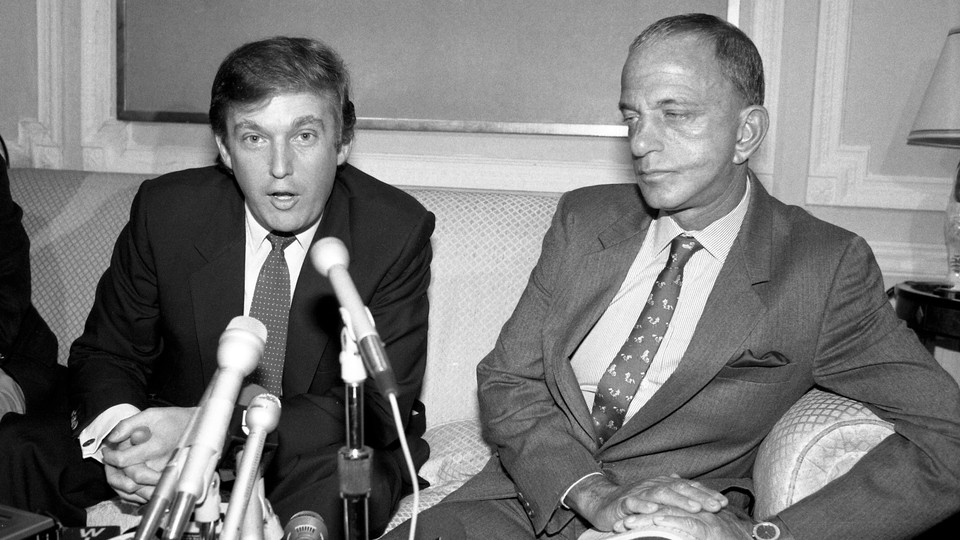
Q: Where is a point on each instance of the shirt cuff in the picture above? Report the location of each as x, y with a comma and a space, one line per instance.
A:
92, 436
567, 492
11, 395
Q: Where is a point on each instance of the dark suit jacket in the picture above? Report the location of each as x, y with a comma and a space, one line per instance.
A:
798, 303
28, 348
176, 280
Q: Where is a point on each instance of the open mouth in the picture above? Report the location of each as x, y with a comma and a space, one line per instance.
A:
283, 199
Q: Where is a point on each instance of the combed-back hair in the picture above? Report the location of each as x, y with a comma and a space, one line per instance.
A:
260, 70
738, 57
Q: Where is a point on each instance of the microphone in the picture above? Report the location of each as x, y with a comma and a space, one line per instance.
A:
238, 353
157, 506
330, 258
305, 525
263, 415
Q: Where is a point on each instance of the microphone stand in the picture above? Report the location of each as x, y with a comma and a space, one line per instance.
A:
354, 459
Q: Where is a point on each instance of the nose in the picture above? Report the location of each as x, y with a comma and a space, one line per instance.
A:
645, 136
281, 160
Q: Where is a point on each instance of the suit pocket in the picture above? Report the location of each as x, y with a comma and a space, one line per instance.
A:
769, 368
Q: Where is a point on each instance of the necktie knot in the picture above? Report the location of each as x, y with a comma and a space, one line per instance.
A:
279, 243
681, 249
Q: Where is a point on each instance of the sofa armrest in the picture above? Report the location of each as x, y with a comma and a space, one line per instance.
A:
820, 438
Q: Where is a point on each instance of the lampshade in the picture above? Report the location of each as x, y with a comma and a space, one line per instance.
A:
938, 120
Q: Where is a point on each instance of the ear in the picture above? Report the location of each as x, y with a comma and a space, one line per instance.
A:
224, 152
344, 152
754, 122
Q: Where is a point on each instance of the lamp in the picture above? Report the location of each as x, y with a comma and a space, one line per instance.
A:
938, 124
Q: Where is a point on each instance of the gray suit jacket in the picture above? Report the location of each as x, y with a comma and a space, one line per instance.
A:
798, 303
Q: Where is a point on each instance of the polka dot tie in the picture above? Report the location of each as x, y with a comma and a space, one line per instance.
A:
271, 306
620, 382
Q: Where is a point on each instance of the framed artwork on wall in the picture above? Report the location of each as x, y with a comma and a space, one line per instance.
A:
496, 66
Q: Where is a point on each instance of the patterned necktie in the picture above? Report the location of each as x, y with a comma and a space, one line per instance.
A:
271, 306
620, 382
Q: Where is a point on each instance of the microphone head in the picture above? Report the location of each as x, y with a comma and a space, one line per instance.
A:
263, 413
305, 525
241, 345
327, 253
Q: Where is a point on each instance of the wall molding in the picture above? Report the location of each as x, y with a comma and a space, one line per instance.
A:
838, 173
40, 140
766, 31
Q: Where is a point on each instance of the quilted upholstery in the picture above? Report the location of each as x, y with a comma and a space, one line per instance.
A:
485, 245
72, 219
817, 440
457, 452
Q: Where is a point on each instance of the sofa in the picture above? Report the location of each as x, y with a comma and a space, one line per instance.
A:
485, 245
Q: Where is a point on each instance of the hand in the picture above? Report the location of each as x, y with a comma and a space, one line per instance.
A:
604, 503
139, 447
722, 525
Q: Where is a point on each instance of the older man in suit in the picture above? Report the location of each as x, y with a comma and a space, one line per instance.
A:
669, 324
194, 255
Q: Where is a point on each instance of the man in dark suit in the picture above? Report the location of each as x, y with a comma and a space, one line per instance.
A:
190, 260
29, 373
772, 302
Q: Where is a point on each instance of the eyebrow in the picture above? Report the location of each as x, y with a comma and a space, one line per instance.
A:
298, 122
659, 104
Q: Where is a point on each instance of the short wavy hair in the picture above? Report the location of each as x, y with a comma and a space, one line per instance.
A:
738, 57
260, 70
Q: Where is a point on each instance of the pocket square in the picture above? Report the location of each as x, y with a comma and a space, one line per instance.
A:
749, 359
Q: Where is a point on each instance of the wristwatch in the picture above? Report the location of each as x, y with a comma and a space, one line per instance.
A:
765, 530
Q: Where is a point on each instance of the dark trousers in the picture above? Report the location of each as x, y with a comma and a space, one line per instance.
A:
43, 469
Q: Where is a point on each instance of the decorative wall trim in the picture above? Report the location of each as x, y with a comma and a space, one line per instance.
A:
40, 140
766, 31
838, 174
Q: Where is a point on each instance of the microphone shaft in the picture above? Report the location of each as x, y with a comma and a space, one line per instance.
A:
163, 493
372, 351
243, 484
350, 300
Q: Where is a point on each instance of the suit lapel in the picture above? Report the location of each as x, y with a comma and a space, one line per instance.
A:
313, 298
217, 285
732, 311
598, 280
